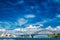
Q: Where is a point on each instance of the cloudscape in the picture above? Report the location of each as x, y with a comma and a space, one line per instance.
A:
21, 13
30, 15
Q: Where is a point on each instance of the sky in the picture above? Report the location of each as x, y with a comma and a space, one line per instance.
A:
21, 13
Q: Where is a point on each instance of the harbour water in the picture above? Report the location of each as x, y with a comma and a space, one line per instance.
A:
29, 38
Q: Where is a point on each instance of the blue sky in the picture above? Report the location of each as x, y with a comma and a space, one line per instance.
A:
21, 13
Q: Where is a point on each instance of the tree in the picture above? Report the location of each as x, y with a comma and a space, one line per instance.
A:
54, 35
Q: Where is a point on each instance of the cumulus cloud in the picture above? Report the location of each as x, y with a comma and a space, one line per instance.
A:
33, 29
28, 30
57, 28
31, 26
49, 28
20, 29
2, 29
38, 24
30, 16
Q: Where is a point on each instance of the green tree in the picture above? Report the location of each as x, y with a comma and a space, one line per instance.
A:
54, 35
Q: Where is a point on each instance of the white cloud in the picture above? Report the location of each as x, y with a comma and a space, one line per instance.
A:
29, 29
21, 21
20, 29
57, 28
49, 28
39, 24
30, 16
8, 25
5, 25
31, 26
2, 29
58, 15
46, 20
32, 29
